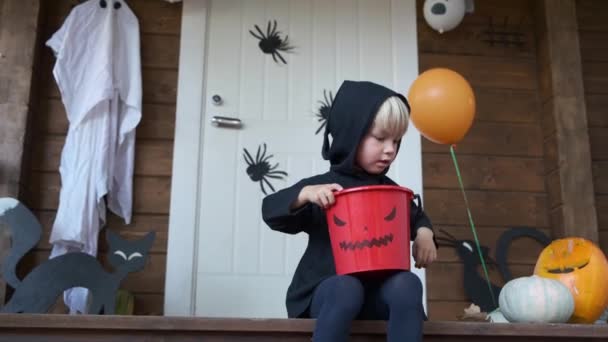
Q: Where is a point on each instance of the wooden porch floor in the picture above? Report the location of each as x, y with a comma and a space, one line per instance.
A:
65, 328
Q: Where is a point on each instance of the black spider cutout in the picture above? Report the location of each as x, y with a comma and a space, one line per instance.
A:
323, 111
271, 42
259, 169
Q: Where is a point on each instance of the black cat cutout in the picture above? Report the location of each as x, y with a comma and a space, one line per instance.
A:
259, 169
271, 43
324, 108
39, 290
475, 284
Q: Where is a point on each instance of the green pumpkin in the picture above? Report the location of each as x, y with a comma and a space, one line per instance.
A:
124, 303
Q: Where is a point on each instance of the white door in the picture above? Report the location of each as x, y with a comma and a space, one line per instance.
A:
242, 268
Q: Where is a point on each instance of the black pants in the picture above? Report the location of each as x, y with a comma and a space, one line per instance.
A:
340, 299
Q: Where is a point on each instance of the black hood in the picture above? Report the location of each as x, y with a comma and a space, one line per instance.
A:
351, 115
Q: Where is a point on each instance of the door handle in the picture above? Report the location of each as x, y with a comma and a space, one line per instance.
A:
223, 121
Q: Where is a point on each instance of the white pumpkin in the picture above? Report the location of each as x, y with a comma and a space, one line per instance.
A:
536, 300
497, 317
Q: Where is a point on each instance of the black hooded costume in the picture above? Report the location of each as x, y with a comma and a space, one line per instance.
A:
350, 118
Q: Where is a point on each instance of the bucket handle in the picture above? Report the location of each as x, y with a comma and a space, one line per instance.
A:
418, 201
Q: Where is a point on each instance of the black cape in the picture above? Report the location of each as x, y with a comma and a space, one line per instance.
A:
350, 117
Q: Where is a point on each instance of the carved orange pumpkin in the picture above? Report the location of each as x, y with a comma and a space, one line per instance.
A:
583, 268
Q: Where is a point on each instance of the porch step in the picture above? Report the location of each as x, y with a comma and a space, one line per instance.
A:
66, 328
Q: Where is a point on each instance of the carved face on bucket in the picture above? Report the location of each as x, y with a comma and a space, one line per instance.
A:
369, 229
377, 241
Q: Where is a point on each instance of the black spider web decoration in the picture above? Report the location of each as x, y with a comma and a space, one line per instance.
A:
259, 169
503, 35
323, 110
271, 43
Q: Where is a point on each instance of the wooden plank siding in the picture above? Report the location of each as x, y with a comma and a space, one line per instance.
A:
593, 29
501, 158
19, 33
160, 35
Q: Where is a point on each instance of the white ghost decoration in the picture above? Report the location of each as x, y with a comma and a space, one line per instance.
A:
445, 15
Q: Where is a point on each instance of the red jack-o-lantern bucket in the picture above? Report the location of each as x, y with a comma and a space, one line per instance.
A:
369, 229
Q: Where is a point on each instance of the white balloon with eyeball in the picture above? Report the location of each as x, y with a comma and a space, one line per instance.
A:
445, 15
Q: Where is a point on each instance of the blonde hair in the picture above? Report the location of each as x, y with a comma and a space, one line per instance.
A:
393, 117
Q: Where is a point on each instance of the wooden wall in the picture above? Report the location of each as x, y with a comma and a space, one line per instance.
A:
19, 27
501, 158
160, 34
593, 30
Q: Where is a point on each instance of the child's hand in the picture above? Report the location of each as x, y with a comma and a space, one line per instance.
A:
321, 195
424, 249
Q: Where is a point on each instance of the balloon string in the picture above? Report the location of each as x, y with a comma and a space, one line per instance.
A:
470, 216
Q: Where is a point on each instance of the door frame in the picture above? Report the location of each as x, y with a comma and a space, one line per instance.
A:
181, 268
180, 275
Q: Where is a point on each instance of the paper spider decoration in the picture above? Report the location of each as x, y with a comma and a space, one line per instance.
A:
271, 43
259, 169
323, 111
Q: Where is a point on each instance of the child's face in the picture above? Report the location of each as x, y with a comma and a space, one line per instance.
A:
377, 150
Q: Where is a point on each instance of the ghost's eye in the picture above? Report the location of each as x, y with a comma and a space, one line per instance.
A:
121, 254
135, 255
391, 216
338, 222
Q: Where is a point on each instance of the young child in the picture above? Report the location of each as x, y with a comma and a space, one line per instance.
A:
366, 124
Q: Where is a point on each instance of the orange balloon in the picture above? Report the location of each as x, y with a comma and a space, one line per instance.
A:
442, 105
